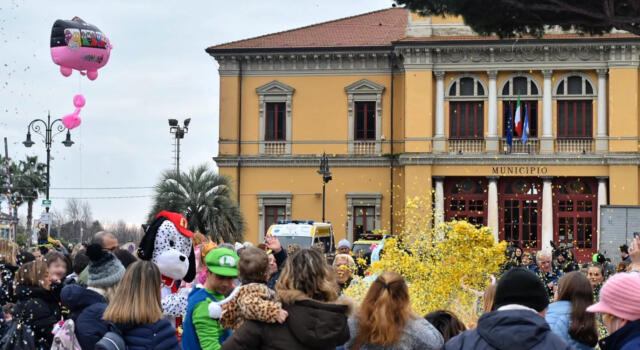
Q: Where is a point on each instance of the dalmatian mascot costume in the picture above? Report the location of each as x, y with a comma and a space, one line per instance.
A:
167, 243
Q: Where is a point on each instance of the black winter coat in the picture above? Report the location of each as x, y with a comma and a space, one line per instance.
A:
7, 273
507, 330
86, 309
311, 325
157, 336
38, 308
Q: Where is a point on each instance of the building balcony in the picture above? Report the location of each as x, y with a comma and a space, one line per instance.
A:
532, 146
365, 147
466, 145
575, 145
275, 147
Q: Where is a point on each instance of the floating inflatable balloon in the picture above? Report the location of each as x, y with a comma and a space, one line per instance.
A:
78, 45
73, 120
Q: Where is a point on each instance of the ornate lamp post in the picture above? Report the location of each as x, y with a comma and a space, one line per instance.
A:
37, 126
326, 177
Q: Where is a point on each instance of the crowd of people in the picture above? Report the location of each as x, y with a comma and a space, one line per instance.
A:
97, 296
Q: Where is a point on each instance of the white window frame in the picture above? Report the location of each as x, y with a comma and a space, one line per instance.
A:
275, 91
582, 96
511, 96
364, 90
363, 199
268, 199
474, 97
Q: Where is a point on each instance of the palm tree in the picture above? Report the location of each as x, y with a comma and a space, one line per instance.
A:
30, 182
204, 198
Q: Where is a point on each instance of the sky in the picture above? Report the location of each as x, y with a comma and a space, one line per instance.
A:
158, 69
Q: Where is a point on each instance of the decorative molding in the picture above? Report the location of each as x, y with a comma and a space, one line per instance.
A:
275, 91
298, 161
526, 55
602, 72
509, 79
364, 199
566, 95
372, 61
364, 90
350, 161
512, 159
547, 73
272, 198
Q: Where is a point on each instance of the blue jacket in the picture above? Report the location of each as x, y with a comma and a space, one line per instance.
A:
153, 336
86, 308
189, 335
507, 330
559, 320
625, 338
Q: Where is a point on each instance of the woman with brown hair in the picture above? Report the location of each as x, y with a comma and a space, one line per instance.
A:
568, 316
8, 269
317, 318
385, 319
36, 306
136, 310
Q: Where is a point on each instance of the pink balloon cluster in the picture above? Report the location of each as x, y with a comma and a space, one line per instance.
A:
73, 120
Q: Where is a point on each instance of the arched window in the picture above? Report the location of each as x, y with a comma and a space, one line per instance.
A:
466, 95
575, 94
526, 88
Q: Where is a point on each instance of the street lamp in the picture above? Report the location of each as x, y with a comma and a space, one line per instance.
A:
326, 177
36, 126
178, 131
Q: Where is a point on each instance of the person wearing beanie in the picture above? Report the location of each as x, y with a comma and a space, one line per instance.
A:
517, 320
87, 305
344, 246
620, 306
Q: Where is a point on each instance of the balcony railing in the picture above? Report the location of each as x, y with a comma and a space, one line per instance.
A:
583, 145
275, 147
532, 146
466, 145
364, 147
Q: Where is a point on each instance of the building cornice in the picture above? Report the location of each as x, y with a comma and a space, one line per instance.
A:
408, 159
454, 55
476, 56
520, 159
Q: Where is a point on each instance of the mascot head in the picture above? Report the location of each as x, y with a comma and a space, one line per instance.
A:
167, 243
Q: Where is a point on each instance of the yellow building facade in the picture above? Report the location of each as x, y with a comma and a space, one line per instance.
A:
407, 106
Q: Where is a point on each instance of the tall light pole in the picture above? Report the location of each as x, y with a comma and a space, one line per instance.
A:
326, 177
49, 127
178, 131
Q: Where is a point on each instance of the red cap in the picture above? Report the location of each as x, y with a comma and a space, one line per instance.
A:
178, 221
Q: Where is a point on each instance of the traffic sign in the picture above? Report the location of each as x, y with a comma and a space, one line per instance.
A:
46, 202
45, 218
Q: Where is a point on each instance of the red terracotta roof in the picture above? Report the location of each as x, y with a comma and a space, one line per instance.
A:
548, 36
378, 28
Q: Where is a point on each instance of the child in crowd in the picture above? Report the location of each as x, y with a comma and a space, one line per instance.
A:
253, 300
7, 322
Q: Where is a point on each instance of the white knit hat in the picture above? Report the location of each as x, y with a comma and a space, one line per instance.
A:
344, 243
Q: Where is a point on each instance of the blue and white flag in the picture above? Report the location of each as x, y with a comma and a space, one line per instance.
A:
525, 128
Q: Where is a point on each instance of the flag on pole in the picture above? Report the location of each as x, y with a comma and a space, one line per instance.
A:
510, 127
525, 127
518, 121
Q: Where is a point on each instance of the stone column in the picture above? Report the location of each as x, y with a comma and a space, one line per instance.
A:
602, 200
439, 205
492, 206
547, 213
602, 139
439, 138
546, 140
492, 134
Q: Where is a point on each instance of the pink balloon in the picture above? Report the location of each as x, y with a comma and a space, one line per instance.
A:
71, 121
78, 101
